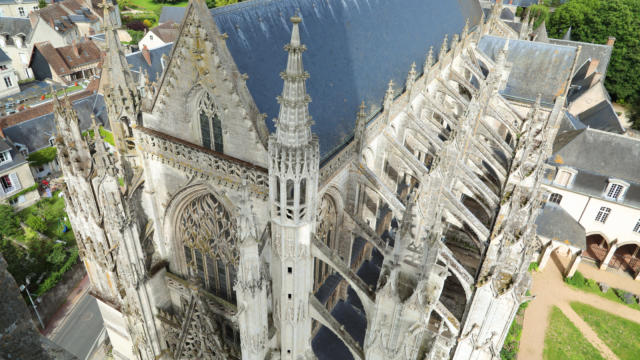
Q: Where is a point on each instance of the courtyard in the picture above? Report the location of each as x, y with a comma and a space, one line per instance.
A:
579, 324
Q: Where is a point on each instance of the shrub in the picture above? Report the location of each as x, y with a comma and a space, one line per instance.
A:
136, 25
42, 156
36, 223
147, 23
9, 222
576, 280
57, 255
533, 266
136, 36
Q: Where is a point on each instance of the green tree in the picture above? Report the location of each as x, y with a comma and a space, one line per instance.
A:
57, 255
594, 21
220, 3
634, 113
42, 4
9, 222
36, 223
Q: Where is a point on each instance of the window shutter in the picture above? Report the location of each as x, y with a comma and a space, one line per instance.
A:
15, 182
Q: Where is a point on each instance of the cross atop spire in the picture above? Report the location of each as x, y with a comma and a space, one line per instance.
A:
106, 8
293, 126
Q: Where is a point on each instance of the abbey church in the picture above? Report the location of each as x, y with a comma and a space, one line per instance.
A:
319, 179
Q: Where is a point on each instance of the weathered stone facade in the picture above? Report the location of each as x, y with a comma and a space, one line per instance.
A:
205, 237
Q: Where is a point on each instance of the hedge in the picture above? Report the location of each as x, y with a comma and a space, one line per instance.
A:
23, 191
42, 156
55, 277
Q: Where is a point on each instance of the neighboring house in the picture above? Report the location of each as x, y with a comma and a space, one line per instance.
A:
16, 41
8, 76
17, 8
66, 64
150, 63
72, 19
594, 176
160, 35
34, 129
17, 186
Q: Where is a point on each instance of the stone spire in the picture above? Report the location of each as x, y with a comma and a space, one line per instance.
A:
429, 60
293, 126
115, 69
361, 125
411, 76
443, 48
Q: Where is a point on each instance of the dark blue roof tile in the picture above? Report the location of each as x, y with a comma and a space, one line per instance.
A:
354, 48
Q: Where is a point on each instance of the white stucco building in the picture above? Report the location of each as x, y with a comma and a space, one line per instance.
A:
595, 178
17, 8
8, 77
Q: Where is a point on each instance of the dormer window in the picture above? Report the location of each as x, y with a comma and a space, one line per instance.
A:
565, 177
5, 157
21, 11
616, 189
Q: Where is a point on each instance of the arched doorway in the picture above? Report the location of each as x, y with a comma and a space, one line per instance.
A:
626, 258
597, 247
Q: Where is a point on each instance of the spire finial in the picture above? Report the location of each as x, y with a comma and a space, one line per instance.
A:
411, 76
465, 30
443, 48
106, 19
390, 92
294, 122
429, 61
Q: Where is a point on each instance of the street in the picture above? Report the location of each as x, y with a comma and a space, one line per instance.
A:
81, 328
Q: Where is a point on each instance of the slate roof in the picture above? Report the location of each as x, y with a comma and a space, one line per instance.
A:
354, 48
171, 13
65, 60
599, 52
63, 15
602, 117
16, 156
555, 223
167, 32
4, 57
15, 26
598, 156
36, 132
137, 61
530, 60
570, 123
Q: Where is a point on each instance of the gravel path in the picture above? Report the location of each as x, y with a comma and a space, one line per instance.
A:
550, 289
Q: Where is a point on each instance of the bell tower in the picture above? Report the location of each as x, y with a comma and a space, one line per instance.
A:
293, 183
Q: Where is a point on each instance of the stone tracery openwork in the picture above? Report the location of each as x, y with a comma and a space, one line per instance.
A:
326, 226
208, 234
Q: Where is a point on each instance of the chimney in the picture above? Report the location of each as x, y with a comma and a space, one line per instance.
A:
146, 55
74, 47
611, 40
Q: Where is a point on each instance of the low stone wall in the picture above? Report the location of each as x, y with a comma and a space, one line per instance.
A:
54, 298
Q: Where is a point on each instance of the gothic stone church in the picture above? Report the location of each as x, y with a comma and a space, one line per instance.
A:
377, 202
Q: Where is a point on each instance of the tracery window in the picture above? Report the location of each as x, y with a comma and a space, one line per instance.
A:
208, 235
325, 231
210, 124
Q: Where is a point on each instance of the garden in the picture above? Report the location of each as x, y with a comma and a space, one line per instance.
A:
564, 340
37, 243
579, 282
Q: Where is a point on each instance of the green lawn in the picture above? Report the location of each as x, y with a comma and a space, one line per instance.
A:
52, 209
621, 335
579, 282
150, 5
565, 342
69, 90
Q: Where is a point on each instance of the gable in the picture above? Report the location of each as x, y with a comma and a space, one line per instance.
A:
200, 64
354, 48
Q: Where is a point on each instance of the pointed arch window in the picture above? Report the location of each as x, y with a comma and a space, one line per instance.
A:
208, 236
210, 124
